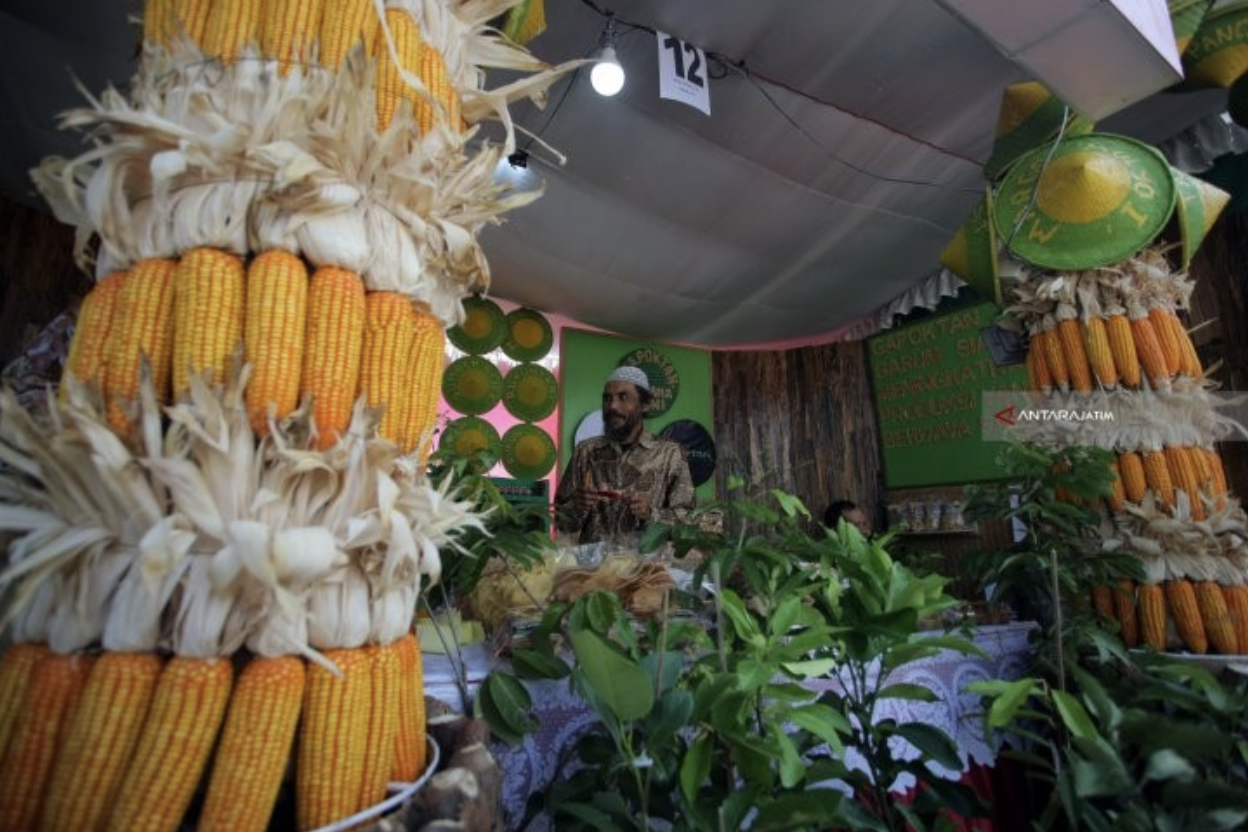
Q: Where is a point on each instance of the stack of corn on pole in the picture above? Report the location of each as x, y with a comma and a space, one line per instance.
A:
1111, 339
218, 538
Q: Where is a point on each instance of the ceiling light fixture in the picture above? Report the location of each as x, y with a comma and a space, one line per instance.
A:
607, 75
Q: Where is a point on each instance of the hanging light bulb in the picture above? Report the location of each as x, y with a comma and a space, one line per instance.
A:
607, 75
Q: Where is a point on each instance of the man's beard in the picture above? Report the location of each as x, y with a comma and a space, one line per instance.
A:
625, 429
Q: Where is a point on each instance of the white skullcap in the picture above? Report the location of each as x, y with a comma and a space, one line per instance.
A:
633, 375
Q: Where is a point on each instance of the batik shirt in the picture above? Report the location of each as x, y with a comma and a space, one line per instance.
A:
652, 466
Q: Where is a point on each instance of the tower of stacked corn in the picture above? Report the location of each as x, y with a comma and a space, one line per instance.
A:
1110, 340
1067, 242
218, 540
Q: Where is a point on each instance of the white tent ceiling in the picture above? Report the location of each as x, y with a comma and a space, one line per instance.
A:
838, 159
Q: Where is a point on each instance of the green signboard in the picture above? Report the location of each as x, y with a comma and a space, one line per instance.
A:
928, 378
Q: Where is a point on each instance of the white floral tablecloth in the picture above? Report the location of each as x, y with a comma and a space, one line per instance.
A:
530, 768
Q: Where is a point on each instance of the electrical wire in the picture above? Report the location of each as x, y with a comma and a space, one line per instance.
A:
1035, 191
757, 80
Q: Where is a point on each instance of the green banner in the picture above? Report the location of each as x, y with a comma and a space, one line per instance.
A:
929, 378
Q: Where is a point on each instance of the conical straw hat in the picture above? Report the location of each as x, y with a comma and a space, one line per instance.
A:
1030, 116
1091, 201
972, 253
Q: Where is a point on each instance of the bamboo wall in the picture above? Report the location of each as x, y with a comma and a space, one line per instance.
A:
1220, 313
38, 278
802, 421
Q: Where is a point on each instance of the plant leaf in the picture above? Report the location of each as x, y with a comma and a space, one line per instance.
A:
696, 767
818, 808
535, 664
622, 684
1075, 716
905, 690
933, 742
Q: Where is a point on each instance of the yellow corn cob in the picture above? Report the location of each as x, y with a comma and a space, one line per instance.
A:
1122, 347
256, 742
1236, 598
389, 331
1100, 357
1103, 602
99, 741
273, 335
174, 745
425, 365
332, 738
192, 19
433, 73
1184, 477
1216, 618
1200, 463
160, 22
1038, 377
1147, 348
1160, 320
1119, 494
288, 30
232, 24
345, 24
1152, 613
333, 348
15, 672
1181, 602
1054, 359
1217, 476
1076, 358
383, 722
145, 305
1187, 350
409, 741
1124, 611
208, 309
88, 351
1134, 482
56, 684
391, 88
1157, 475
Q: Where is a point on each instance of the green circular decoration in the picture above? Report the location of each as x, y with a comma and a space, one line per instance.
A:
528, 452
528, 335
1093, 201
471, 434
472, 385
483, 327
530, 392
664, 380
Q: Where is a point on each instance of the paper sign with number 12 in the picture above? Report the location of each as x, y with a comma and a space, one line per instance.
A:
682, 73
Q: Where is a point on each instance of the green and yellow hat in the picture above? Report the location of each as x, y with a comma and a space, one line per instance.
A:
1030, 116
1198, 207
1090, 201
972, 253
1218, 51
1185, 18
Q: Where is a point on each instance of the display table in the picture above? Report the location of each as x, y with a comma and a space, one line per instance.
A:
530, 767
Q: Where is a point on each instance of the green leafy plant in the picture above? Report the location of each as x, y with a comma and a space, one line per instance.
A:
739, 716
1114, 740
1048, 575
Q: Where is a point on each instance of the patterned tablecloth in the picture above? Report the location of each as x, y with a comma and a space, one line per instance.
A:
530, 767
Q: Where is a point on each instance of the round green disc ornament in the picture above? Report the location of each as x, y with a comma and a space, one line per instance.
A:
472, 385
528, 336
528, 452
483, 327
530, 392
470, 434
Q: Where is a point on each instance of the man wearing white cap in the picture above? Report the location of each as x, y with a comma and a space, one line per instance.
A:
618, 482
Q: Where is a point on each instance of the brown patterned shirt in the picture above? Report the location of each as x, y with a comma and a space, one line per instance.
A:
653, 466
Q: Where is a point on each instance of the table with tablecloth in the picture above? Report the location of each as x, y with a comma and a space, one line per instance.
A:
530, 767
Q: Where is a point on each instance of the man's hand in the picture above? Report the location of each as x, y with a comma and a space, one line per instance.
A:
638, 504
585, 501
